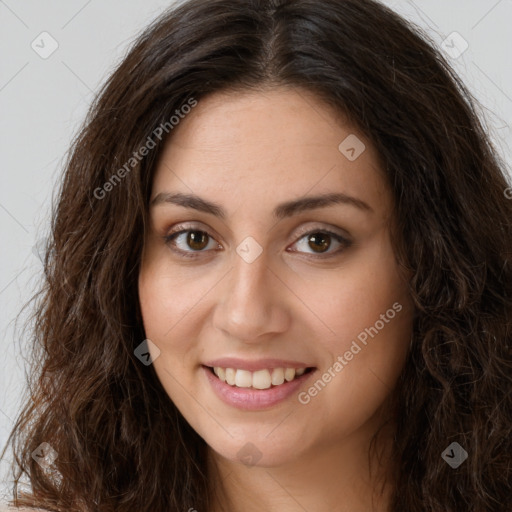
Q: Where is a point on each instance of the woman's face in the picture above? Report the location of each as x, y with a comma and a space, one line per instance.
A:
267, 278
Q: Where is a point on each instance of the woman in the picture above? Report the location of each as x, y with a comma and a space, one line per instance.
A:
278, 277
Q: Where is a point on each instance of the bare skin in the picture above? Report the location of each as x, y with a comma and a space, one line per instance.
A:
298, 300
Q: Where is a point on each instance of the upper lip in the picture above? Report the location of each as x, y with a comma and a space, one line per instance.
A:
252, 366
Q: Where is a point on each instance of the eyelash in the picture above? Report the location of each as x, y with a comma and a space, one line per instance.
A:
345, 244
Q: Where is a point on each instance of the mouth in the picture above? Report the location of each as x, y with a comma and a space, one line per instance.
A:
263, 379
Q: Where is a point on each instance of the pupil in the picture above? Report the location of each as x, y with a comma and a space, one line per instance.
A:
319, 238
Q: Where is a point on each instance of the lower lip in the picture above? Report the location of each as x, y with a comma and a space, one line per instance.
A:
251, 399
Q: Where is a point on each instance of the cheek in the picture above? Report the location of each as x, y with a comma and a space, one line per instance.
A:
352, 298
167, 296
165, 301
368, 313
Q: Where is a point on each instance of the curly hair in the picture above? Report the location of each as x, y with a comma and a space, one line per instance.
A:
122, 444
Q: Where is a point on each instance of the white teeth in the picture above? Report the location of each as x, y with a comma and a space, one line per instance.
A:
278, 376
289, 374
260, 379
221, 373
230, 376
243, 379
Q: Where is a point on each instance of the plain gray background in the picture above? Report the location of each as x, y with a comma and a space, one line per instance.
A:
43, 101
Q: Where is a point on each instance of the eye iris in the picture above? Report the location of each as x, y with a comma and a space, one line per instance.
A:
319, 238
197, 237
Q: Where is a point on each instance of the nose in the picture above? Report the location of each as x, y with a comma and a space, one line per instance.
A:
253, 303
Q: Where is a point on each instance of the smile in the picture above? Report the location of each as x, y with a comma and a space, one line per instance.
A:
239, 387
260, 379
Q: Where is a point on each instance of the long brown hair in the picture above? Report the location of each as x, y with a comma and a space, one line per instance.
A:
122, 445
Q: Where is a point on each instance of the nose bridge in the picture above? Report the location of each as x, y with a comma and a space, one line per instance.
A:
248, 278
250, 305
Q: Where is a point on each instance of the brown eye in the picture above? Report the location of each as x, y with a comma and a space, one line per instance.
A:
190, 242
319, 242
197, 240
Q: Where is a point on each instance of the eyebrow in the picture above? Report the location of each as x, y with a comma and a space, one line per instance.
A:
283, 210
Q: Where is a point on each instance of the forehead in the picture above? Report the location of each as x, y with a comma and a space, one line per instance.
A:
267, 147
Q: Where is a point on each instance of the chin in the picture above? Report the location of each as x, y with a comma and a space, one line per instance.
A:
257, 450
